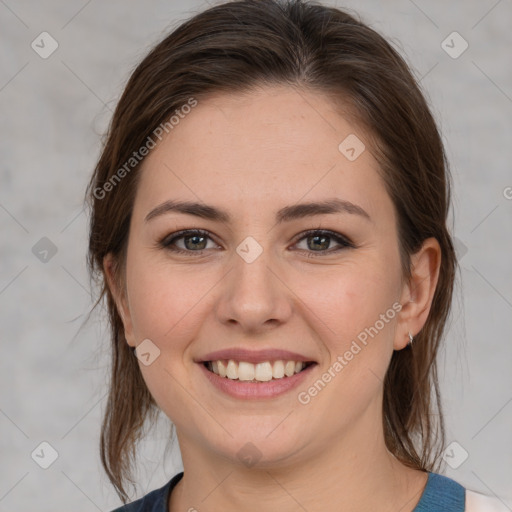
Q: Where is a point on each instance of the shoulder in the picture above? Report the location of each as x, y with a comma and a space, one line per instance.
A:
442, 490
476, 502
151, 502
444, 493
441, 493
154, 501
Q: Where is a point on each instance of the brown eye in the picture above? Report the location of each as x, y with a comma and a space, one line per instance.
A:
319, 241
194, 241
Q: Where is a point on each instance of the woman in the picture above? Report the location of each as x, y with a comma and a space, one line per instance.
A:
268, 223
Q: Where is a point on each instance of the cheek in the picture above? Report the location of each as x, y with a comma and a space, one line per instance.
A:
163, 298
165, 303
354, 312
351, 298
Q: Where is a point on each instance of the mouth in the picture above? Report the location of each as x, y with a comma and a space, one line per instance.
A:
265, 371
238, 380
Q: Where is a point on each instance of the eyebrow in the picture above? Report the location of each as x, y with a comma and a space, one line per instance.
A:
288, 213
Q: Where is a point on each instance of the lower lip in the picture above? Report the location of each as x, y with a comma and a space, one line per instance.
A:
255, 390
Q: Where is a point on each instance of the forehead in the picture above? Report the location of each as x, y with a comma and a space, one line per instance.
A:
272, 145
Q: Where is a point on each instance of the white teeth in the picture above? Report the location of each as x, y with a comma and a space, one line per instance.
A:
222, 368
245, 371
262, 372
278, 370
289, 369
232, 370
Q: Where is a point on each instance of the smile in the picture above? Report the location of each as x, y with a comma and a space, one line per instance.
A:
259, 372
263, 380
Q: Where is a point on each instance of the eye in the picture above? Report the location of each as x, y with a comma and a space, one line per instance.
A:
195, 241
321, 239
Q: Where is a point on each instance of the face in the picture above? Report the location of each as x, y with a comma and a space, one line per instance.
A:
258, 280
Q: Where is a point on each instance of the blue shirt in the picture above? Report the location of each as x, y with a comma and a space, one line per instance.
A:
440, 494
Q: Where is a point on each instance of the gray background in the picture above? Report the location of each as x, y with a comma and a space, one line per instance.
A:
54, 110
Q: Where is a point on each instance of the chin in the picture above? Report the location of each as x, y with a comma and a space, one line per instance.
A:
257, 448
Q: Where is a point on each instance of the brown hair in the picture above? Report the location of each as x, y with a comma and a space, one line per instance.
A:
234, 47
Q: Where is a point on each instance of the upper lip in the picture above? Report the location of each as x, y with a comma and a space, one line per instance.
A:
253, 356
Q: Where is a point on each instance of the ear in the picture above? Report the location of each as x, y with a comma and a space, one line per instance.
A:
418, 292
120, 298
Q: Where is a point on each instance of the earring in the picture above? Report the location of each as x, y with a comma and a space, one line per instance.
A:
411, 338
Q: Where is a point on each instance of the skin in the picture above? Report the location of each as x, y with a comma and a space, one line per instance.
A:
252, 155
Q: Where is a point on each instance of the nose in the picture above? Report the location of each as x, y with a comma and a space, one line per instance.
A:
254, 294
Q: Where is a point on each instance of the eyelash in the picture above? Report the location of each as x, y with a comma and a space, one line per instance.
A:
345, 243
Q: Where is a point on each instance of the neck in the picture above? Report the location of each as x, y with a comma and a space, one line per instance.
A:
350, 471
